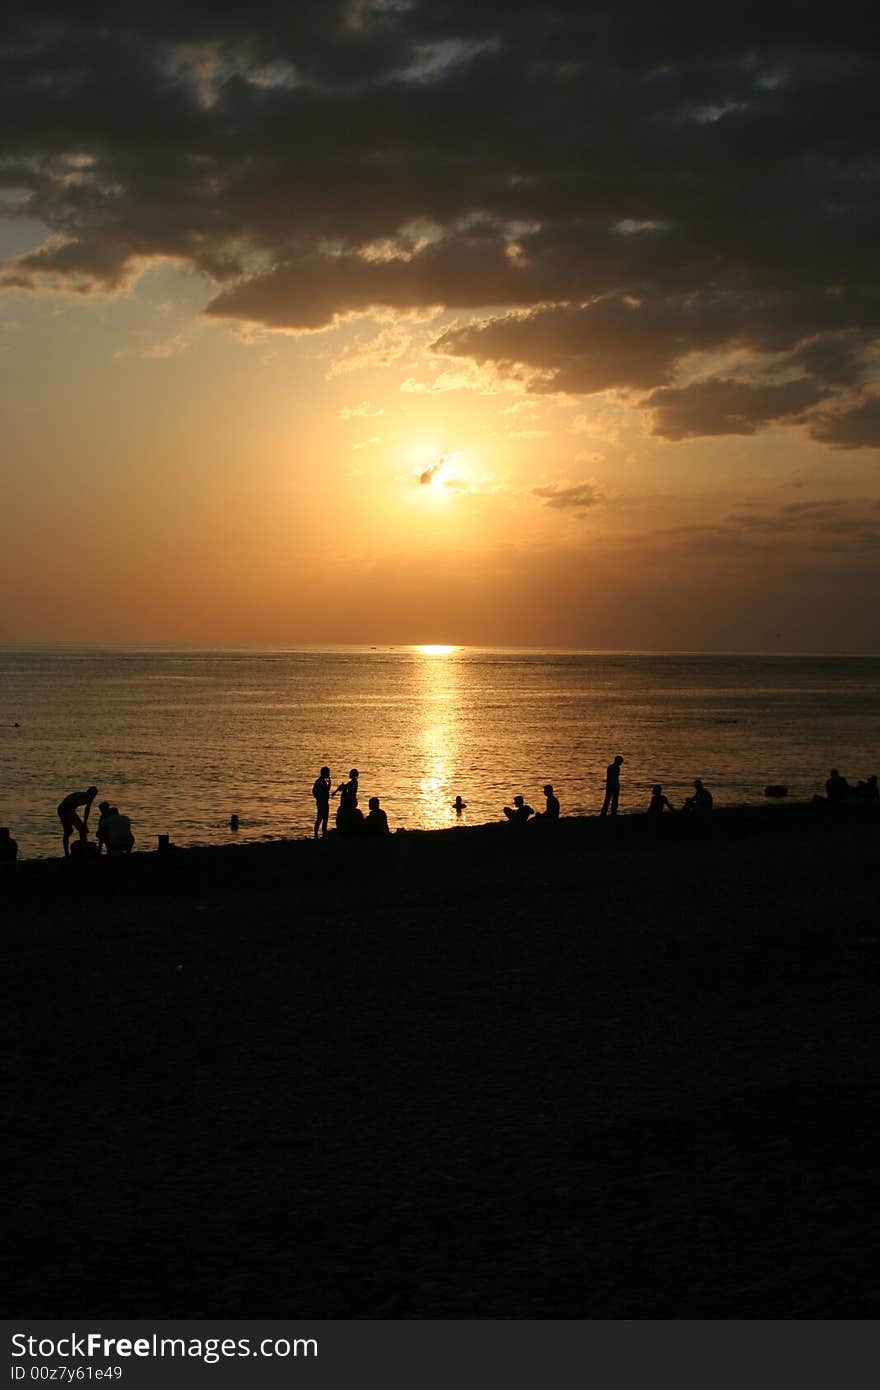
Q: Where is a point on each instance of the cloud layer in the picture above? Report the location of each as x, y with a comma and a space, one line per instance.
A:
612, 190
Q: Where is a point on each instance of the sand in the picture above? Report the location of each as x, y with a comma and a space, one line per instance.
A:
597, 1071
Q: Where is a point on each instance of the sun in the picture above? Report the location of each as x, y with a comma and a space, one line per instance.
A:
435, 649
441, 476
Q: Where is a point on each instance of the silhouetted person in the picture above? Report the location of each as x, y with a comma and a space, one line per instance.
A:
348, 817
551, 805
376, 822
659, 803
458, 805
104, 808
117, 832
519, 812
868, 790
84, 849
70, 820
612, 787
701, 801
321, 793
837, 788
8, 846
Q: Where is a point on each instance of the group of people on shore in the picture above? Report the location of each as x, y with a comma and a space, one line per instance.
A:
700, 803
113, 835
837, 788
350, 819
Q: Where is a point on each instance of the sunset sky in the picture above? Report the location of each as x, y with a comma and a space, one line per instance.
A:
393, 322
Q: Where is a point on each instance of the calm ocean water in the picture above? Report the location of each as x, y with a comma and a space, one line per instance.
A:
180, 739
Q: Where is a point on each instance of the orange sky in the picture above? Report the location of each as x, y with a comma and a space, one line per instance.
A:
169, 479
484, 379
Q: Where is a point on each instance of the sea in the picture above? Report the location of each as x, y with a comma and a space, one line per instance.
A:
181, 739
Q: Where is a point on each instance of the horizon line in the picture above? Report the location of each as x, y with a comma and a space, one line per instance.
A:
79, 644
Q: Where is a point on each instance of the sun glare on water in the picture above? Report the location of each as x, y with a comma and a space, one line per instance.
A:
435, 649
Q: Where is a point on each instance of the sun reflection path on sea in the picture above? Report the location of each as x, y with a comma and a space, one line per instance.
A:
439, 694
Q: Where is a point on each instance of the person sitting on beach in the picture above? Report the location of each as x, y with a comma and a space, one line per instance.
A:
551, 807
519, 812
660, 803
84, 849
8, 846
458, 805
868, 790
321, 793
612, 787
376, 822
104, 808
348, 817
701, 801
70, 821
837, 788
117, 832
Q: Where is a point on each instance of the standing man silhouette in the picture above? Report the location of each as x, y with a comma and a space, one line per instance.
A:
612, 787
321, 793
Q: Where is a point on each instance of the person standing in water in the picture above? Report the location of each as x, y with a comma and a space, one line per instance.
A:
70, 820
321, 793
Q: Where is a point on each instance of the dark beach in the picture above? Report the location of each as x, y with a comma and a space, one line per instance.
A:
597, 1071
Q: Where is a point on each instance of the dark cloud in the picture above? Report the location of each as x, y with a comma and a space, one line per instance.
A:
814, 529
311, 289
721, 406
644, 182
622, 343
857, 428
587, 348
576, 497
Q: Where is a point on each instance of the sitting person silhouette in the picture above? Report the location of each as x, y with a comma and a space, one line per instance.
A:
519, 812
321, 793
701, 801
104, 808
837, 788
551, 807
117, 835
868, 790
659, 803
84, 849
348, 817
70, 821
8, 846
376, 822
